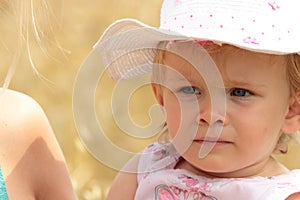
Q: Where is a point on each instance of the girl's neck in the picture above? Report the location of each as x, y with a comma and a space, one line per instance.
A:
267, 168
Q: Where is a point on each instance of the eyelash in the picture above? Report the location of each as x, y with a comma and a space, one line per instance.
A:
187, 90
245, 93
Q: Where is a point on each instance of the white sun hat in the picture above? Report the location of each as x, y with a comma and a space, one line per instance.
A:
128, 46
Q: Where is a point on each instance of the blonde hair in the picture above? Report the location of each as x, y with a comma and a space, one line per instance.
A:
292, 72
30, 20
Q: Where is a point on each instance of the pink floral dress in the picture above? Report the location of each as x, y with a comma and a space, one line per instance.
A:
157, 179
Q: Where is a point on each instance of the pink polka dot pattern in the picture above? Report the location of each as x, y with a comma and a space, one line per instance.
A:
269, 26
258, 24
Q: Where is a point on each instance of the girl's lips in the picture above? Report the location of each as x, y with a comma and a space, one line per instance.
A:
209, 141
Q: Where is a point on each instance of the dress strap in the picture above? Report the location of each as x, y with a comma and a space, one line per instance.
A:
3, 192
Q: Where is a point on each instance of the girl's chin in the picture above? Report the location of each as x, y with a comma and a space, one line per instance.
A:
208, 167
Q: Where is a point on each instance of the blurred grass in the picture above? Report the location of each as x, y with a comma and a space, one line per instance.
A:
77, 26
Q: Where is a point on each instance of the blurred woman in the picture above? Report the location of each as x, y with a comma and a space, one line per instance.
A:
32, 165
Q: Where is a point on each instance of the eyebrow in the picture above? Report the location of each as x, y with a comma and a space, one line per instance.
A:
177, 79
244, 84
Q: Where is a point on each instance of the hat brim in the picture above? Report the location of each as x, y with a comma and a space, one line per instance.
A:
128, 46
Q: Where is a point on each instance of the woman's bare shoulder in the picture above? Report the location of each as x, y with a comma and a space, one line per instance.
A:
20, 116
15, 102
27, 139
22, 121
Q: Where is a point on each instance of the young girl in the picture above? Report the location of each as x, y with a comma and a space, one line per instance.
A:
227, 75
32, 165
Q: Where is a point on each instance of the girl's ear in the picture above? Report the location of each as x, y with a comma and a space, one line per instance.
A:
292, 119
157, 90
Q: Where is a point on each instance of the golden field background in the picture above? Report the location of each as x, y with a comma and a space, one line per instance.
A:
77, 25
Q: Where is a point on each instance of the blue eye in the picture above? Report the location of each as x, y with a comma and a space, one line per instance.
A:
190, 90
240, 92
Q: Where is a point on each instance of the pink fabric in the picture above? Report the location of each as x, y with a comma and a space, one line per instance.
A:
157, 179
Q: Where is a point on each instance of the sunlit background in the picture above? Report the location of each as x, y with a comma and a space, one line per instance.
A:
77, 25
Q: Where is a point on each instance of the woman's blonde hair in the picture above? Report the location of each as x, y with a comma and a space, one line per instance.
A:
292, 72
30, 20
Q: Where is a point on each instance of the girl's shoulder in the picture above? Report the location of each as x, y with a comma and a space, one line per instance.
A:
295, 196
158, 156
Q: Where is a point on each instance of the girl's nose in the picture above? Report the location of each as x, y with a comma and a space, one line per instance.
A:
208, 117
208, 120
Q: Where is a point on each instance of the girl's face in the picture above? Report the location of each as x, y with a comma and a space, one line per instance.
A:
257, 105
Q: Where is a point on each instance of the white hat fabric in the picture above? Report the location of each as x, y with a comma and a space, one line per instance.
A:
269, 26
